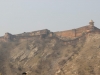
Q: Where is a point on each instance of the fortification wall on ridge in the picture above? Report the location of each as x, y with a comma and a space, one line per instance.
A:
74, 32
43, 33
69, 33
34, 33
25, 35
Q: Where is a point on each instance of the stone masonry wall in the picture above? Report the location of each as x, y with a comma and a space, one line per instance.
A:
74, 32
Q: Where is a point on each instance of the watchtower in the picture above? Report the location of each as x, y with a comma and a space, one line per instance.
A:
91, 23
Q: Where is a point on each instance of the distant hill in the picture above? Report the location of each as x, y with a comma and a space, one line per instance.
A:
42, 52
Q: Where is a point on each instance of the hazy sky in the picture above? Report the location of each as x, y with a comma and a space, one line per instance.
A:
17, 16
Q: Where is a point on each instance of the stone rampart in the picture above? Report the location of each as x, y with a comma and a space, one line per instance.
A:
69, 34
75, 32
25, 35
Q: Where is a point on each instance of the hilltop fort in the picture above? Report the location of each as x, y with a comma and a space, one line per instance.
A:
68, 34
42, 52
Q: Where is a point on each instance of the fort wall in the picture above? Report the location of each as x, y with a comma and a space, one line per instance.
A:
69, 34
75, 32
25, 35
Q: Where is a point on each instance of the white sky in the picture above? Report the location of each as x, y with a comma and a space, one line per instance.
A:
18, 16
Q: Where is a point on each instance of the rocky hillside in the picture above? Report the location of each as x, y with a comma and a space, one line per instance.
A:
71, 52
